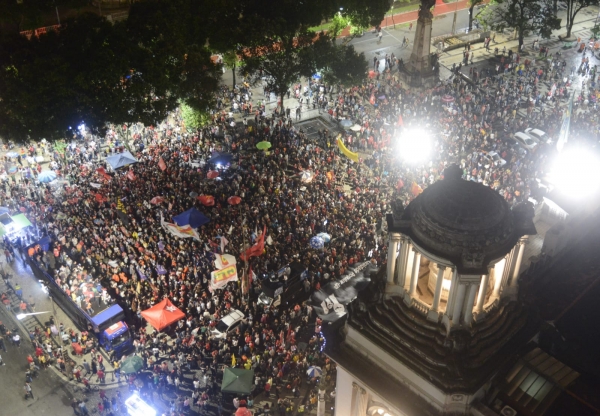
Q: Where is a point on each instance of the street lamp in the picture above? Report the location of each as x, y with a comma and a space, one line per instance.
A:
414, 145
575, 172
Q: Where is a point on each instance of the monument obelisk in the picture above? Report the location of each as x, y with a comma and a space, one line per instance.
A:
421, 70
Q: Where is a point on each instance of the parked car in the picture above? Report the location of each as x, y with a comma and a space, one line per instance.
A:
524, 140
493, 158
538, 135
228, 323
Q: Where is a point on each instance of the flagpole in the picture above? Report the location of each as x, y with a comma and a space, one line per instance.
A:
245, 275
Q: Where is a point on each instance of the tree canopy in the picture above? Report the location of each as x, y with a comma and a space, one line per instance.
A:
94, 72
525, 16
99, 73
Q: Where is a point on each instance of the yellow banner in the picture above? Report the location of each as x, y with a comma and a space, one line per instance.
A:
224, 275
351, 155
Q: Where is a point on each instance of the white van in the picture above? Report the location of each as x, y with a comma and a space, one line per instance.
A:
228, 323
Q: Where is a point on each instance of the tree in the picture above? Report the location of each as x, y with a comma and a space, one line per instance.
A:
524, 16
573, 7
275, 38
283, 63
472, 5
231, 60
192, 118
339, 64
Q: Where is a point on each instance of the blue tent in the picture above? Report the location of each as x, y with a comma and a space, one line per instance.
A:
191, 217
119, 160
220, 158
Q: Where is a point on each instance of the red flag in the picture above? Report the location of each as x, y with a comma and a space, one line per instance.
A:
161, 164
250, 276
400, 121
130, 175
99, 198
257, 249
103, 173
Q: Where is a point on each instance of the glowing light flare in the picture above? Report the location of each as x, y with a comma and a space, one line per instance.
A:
576, 172
414, 145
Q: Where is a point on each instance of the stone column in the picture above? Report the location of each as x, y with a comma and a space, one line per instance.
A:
459, 301
414, 279
392, 254
419, 61
517, 269
434, 312
497, 282
468, 311
438, 287
408, 266
508, 267
402, 259
483, 287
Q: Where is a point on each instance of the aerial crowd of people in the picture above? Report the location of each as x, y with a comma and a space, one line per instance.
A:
106, 224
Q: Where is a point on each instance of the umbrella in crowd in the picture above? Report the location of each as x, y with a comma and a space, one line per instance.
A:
12, 154
207, 200
381, 97
313, 372
12, 170
316, 242
234, 200
326, 237
346, 123
317, 76
372, 74
47, 176
132, 364
306, 176
447, 98
356, 127
157, 200
264, 145
212, 174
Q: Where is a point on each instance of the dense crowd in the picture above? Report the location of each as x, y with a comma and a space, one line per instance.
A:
107, 232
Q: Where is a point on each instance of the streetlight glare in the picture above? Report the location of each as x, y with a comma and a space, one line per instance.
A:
23, 315
575, 172
414, 145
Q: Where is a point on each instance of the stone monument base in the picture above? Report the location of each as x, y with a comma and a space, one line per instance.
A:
418, 79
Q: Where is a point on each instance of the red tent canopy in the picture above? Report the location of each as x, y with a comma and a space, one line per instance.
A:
163, 314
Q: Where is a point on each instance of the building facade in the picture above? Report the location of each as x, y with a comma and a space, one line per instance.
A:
449, 312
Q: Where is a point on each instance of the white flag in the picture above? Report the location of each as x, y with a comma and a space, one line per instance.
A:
224, 260
224, 242
230, 229
269, 241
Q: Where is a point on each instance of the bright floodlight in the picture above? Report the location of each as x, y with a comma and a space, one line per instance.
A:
23, 315
576, 172
414, 145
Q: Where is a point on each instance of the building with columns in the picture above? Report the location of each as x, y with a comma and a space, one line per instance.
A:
448, 315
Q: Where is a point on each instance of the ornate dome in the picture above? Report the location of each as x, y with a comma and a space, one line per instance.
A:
465, 222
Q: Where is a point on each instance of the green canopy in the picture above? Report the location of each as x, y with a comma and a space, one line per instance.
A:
132, 364
237, 380
20, 221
